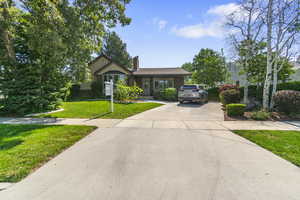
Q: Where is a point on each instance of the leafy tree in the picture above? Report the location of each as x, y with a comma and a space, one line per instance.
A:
45, 43
115, 48
188, 67
257, 69
209, 68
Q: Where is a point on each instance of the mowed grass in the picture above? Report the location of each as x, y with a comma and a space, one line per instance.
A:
285, 144
24, 148
100, 109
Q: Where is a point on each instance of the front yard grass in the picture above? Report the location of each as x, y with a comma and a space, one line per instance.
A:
100, 109
285, 144
24, 148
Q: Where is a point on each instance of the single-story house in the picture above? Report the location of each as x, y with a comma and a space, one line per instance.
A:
151, 80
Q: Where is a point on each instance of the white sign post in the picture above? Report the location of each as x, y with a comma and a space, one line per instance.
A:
112, 95
109, 91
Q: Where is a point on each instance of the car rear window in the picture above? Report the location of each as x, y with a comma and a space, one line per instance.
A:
189, 87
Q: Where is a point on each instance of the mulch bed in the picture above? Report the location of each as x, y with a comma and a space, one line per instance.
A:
275, 116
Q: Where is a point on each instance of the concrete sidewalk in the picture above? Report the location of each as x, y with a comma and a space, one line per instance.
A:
101, 123
162, 124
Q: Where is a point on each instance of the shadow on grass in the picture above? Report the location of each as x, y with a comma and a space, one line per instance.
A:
5, 145
100, 115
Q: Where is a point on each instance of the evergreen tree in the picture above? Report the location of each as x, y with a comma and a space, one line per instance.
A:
116, 49
45, 43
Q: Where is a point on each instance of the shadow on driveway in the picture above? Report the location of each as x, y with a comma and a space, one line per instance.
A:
190, 105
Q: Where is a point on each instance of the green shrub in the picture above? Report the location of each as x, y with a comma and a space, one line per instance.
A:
97, 88
260, 115
169, 94
213, 94
135, 92
287, 101
230, 96
124, 92
257, 92
235, 109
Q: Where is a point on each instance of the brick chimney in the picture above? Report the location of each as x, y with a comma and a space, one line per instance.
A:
135, 61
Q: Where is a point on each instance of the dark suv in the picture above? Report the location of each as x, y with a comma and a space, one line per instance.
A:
192, 93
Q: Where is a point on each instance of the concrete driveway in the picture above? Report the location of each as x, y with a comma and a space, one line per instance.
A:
128, 163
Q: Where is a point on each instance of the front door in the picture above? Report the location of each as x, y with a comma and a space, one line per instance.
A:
146, 86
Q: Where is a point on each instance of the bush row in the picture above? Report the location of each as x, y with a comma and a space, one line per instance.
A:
125, 93
287, 101
235, 110
254, 91
168, 94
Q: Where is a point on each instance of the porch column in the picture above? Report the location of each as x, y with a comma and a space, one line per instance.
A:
151, 87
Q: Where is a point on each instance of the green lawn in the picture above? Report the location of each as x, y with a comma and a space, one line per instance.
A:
24, 148
100, 109
285, 144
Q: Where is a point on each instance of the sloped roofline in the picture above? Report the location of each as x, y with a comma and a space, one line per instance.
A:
108, 64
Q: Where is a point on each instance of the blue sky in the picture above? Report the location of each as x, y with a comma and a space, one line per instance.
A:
168, 33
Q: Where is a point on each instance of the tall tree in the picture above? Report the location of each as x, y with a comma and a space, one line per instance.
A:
116, 49
209, 68
42, 42
282, 21
247, 24
188, 67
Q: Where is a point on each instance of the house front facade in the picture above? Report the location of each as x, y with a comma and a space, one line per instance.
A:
151, 80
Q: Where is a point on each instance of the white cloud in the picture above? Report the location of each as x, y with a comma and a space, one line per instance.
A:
209, 28
199, 30
160, 23
223, 10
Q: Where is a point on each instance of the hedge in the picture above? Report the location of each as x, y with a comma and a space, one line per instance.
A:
257, 92
287, 101
230, 96
213, 94
235, 109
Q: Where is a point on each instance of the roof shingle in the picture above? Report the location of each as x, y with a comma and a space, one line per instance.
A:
161, 71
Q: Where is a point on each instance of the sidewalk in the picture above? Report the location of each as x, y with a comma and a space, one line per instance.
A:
162, 124
101, 123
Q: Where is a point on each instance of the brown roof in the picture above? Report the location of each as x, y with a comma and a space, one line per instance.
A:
161, 71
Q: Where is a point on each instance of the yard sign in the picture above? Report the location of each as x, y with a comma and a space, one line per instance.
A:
109, 91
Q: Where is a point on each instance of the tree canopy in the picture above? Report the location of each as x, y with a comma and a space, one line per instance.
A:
209, 68
46, 44
116, 49
188, 67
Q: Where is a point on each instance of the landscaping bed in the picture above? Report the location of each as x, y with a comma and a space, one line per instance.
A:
100, 109
23, 148
285, 144
273, 116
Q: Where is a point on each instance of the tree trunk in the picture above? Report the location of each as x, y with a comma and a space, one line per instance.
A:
246, 91
266, 92
275, 80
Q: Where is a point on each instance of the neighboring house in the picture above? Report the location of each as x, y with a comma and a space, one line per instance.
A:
151, 80
296, 75
235, 73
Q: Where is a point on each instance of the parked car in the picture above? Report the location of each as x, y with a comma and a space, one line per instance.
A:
192, 93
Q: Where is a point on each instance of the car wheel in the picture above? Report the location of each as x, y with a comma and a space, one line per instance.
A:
181, 102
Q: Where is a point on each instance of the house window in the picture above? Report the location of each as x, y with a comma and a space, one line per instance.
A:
162, 84
114, 75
